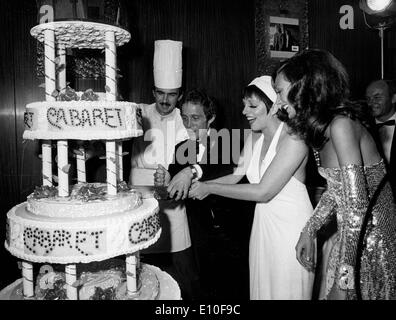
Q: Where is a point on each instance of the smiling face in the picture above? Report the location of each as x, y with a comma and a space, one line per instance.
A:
255, 112
282, 88
379, 100
195, 121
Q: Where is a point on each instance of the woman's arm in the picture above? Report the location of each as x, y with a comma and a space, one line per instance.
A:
321, 215
345, 137
228, 179
279, 172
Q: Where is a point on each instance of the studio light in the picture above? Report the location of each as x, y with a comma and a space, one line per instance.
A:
378, 5
379, 8
380, 15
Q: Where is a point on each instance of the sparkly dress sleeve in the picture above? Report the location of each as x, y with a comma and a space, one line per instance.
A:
321, 215
355, 200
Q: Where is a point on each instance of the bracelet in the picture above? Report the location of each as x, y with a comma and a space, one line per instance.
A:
194, 172
346, 279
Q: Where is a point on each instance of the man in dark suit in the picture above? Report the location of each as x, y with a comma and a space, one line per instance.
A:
381, 98
200, 157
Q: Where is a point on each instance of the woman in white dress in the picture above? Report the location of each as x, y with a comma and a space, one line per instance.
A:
274, 163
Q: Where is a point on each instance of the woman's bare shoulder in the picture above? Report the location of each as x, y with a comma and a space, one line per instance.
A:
292, 142
342, 123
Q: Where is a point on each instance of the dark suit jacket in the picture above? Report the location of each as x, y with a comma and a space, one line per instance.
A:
199, 212
212, 160
391, 166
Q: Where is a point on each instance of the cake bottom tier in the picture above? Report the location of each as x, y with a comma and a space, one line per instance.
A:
43, 239
153, 284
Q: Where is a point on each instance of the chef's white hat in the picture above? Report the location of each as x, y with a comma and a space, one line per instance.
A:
168, 64
264, 83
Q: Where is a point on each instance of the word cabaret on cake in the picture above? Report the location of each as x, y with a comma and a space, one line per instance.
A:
87, 235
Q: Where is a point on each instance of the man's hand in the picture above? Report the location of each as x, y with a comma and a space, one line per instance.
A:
161, 176
180, 184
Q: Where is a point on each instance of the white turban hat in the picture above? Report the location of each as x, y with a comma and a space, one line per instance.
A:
264, 83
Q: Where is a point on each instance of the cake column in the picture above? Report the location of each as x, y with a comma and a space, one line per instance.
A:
119, 161
63, 169
111, 94
131, 263
61, 79
71, 278
81, 173
27, 276
50, 87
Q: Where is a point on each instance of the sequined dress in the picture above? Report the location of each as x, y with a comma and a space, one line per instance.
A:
378, 262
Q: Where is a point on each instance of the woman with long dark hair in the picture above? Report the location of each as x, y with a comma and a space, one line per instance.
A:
314, 89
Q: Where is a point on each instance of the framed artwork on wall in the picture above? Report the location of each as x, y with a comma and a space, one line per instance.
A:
284, 37
293, 16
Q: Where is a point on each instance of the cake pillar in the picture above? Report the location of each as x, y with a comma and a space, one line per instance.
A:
119, 161
46, 151
71, 278
111, 66
131, 263
27, 276
111, 94
81, 173
111, 168
63, 169
61, 79
49, 64
50, 87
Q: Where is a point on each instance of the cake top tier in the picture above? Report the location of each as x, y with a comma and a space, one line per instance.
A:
81, 34
111, 12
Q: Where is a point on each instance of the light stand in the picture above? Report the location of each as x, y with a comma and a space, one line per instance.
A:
381, 20
381, 34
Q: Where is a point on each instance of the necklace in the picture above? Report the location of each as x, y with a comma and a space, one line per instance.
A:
317, 157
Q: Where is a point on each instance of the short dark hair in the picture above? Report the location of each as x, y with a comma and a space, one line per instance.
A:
199, 96
252, 89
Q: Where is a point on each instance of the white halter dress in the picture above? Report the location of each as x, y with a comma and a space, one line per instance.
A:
275, 273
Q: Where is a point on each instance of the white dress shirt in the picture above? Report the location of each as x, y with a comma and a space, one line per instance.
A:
157, 146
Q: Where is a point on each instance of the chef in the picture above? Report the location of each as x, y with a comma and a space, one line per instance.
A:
163, 129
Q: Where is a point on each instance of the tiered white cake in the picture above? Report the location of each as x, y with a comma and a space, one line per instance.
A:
88, 222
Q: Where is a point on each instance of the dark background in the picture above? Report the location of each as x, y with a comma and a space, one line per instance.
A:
223, 50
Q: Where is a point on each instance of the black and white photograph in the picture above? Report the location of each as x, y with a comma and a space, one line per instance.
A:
284, 37
197, 155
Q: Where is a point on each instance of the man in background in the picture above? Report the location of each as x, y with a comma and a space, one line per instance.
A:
381, 98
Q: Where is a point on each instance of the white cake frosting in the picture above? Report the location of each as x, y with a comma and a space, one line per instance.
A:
81, 120
81, 240
85, 224
104, 281
168, 288
81, 34
69, 207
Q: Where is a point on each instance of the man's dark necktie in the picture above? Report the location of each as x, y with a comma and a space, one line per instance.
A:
386, 123
196, 150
